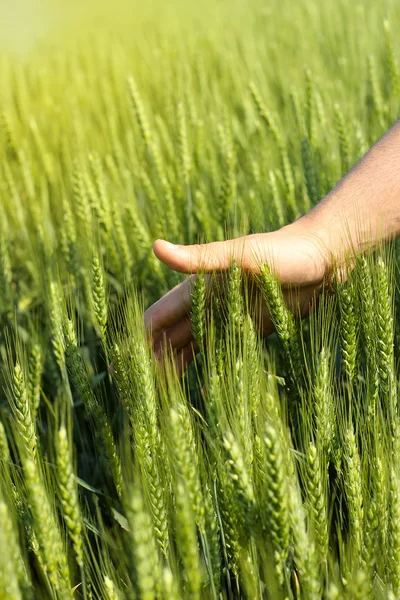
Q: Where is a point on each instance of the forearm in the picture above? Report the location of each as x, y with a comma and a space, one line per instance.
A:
364, 208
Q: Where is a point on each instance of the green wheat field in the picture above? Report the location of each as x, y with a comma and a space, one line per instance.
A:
271, 469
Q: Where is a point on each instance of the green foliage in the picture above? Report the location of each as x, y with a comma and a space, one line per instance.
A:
270, 469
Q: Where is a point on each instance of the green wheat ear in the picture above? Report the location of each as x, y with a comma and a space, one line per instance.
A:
393, 67
353, 488
304, 548
310, 108
368, 328
5, 458
235, 297
186, 460
377, 98
46, 530
385, 335
10, 561
344, 141
112, 592
275, 501
276, 198
198, 314
22, 410
99, 297
69, 494
227, 192
187, 543
349, 328
240, 476
140, 113
146, 565
310, 173
170, 588
283, 321
35, 376
325, 415
394, 532
317, 499
375, 518
266, 116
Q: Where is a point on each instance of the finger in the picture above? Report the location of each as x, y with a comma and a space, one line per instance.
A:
185, 356
169, 310
181, 358
175, 337
302, 302
215, 256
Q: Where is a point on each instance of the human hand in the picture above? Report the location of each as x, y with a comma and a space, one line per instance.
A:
297, 254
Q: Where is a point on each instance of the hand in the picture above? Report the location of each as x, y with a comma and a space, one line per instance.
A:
297, 254
360, 212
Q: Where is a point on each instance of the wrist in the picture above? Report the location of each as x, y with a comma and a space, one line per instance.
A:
340, 228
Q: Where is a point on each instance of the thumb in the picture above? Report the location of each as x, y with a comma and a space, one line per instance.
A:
215, 256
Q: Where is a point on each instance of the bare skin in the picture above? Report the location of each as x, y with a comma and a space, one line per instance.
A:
361, 211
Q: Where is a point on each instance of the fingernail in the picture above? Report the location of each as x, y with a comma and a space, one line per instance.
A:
171, 246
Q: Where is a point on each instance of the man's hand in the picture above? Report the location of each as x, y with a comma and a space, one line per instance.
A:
296, 253
361, 212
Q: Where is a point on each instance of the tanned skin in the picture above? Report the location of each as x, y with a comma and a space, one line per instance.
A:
362, 211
